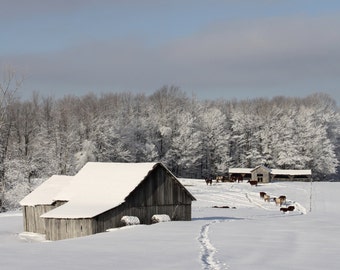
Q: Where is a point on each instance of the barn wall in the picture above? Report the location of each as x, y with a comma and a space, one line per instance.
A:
31, 217
58, 228
111, 219
32, 220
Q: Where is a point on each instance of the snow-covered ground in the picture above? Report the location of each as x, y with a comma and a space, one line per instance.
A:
250, 234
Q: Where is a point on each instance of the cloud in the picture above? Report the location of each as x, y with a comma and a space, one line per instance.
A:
287, 45
16, 9
286, 52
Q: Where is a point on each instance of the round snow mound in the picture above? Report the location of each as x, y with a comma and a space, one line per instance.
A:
160, 218
129, 220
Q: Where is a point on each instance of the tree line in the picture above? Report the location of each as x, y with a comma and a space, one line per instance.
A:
43, 136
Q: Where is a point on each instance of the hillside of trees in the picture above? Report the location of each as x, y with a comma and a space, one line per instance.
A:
45, 136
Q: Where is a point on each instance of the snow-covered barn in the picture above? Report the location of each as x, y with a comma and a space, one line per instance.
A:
100, 194
43, 199
262, 174
244, 173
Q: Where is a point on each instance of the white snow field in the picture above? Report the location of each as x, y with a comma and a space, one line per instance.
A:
250, 234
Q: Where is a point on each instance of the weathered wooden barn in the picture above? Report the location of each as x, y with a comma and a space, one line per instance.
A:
262, 174
102, 193
42, 200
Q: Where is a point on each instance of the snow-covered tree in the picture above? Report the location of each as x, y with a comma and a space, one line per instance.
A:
110, 143
9, 85
184, 155
314, 145
215, 141
43, 136
244, 143
67, 136
86, 154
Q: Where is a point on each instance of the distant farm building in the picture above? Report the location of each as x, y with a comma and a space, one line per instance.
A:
240, 173
100, 194
262, 174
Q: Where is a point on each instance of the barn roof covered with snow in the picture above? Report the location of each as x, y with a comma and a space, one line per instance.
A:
290, 172
240, 170
47, 192
99, 187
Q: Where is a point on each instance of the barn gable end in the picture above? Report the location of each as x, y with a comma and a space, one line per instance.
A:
159, 193
261, 174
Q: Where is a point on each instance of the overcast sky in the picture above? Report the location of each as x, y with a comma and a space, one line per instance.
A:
212, 49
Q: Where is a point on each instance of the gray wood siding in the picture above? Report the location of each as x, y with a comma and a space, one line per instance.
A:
58, 228
31, 216
111, 219
32, 220
159, 188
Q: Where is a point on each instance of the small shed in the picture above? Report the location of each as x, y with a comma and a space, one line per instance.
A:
42, 200
261, 174
102, 193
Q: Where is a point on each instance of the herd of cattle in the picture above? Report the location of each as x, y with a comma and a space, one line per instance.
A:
278, 201
238, 179
233, 178
281, 200
221, 178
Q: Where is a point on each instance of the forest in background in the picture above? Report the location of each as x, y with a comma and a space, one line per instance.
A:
43, 136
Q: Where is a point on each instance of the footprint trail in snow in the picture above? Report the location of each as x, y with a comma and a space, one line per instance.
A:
208, 251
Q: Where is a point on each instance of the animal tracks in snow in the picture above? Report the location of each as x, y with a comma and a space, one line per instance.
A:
208, 251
